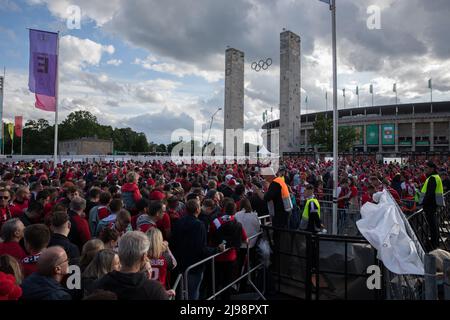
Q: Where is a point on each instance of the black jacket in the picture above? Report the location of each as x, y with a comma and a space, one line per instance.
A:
429, 200
73, 253
131, 286
280, 219
38, 287
189, 243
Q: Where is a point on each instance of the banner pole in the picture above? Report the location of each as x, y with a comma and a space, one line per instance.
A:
55, 156
3, 98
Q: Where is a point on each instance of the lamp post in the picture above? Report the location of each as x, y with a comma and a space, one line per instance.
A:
210, 125
332, 4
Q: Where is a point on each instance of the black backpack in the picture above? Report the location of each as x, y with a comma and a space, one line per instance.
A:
231, 232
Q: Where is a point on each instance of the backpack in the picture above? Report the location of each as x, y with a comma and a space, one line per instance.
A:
231, 232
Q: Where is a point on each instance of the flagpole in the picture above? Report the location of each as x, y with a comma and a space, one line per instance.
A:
12, 141
431, 94
371, 91
335, 118
55, 156
357, 93
3, 100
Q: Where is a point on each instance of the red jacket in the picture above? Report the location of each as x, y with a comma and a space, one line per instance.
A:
81, 227
230, 255
18, 208
133, 188
5, 214
13, 249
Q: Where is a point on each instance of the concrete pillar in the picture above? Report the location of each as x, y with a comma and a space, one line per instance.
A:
413, 135
431, 136
234, 98
396, 137
290, 89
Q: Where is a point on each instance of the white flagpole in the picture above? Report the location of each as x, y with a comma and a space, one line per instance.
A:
335, 119
21, 138
3, 101
332, 4
55, 156
357, 93
371, 91
431, 94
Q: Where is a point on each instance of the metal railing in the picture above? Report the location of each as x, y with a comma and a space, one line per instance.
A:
432, 285
184, 278
185, 290
303, 262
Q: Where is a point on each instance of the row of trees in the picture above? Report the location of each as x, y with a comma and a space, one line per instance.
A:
38, 136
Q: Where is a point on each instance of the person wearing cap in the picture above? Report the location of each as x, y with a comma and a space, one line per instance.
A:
432, 196
277, 198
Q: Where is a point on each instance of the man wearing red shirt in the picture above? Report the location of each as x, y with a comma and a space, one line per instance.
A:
37, 237
12, 233
20, 204
368, 196
79, 232
227, 229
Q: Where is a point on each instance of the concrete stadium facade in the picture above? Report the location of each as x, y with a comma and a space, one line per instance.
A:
387, 130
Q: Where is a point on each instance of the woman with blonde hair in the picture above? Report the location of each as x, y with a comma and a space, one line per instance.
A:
104, 261
89, 251
161, 259
10, 265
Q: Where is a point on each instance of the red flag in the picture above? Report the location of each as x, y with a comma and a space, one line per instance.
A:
18, 126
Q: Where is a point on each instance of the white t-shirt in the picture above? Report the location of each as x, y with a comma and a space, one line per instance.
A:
251, 225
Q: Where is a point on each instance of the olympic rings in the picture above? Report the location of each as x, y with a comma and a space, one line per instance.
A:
261, 65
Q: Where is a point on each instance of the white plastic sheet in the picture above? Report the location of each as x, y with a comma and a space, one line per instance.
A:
383, 226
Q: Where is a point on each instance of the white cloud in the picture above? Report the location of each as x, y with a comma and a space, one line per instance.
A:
77, 53
179, 69
114, 62
99, 11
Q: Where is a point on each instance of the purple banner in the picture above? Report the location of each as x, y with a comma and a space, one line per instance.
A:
43, 62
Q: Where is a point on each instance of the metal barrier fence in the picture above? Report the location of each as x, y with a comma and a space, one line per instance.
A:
321, 267
435, 284
250, 270
183, 279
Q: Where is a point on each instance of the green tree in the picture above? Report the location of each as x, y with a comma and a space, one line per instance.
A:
79, 124
323, 135
38, 137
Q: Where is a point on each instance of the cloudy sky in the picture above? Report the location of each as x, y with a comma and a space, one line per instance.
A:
158, 65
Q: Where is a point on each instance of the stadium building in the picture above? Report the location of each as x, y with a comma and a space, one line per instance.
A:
388, 130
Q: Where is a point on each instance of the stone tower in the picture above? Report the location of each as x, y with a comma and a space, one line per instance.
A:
234, 102
290, 89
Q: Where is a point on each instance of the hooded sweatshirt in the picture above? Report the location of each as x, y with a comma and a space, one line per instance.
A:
130, 195
132, 286
39, 287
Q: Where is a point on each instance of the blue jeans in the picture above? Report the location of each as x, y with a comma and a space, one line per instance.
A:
194, 282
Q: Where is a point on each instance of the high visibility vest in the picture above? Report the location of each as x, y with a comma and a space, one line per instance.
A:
305, 214
285, 196
439, 191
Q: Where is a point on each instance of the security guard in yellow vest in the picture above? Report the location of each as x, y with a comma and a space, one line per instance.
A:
432, 196
311, 213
